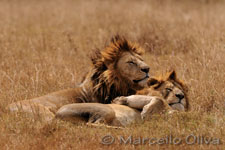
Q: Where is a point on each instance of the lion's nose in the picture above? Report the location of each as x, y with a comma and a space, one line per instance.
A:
180, 96
146, 69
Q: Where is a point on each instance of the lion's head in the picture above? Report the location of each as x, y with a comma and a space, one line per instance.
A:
173, 90
119, 70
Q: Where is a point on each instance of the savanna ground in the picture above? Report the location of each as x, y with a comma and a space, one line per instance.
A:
44, 47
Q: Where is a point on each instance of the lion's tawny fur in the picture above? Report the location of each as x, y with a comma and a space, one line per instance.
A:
126, 110
102, 84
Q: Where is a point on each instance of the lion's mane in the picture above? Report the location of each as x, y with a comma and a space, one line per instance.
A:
107, 82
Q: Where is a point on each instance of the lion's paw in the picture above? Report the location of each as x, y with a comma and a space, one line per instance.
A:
122, 100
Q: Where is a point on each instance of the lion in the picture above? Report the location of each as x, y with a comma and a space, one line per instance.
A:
164, 93
117, 70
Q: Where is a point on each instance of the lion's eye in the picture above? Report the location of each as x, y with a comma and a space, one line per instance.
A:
131, 62
168, 89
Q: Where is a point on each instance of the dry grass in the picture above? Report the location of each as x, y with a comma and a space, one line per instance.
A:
44, 47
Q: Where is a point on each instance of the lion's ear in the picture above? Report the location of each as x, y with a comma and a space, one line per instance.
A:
106, 62
152, 81
172, 75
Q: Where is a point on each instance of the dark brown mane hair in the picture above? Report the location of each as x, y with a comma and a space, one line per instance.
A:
106, 81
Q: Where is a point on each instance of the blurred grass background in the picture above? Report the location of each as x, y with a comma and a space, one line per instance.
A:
44, 47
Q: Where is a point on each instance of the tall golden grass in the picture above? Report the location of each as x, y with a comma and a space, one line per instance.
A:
44, 46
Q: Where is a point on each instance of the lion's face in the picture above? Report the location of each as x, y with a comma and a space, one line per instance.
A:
172, 91
174, 95
132, 68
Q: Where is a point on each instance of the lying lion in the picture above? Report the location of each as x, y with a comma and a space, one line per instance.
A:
165, 93
118, 70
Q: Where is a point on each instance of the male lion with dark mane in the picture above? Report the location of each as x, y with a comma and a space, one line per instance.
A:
165, 93
118, 70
